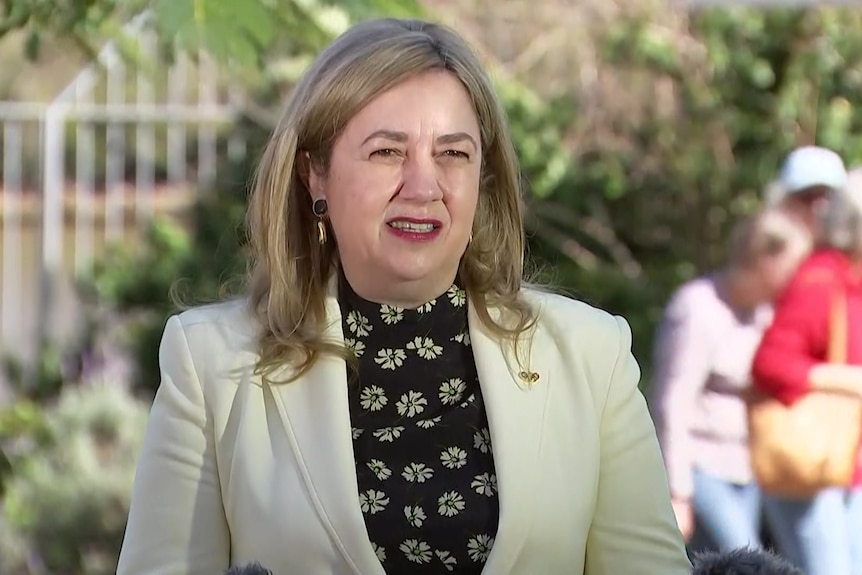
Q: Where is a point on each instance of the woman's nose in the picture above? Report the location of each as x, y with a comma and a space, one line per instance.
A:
421, 181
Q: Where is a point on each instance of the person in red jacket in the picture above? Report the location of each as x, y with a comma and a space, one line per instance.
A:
823, 535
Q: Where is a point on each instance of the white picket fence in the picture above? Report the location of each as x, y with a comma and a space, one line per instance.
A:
121, 122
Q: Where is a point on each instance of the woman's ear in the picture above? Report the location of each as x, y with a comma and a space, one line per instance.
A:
311, 174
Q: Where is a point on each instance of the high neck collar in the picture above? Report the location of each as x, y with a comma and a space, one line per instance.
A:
453, 302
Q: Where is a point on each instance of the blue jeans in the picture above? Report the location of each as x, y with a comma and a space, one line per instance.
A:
728, 513
822, 535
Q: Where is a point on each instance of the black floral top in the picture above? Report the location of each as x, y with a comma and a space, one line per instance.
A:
427, 485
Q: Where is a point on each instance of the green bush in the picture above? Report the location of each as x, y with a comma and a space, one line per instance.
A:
68, 496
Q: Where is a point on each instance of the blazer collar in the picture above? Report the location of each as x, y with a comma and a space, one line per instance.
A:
315, 413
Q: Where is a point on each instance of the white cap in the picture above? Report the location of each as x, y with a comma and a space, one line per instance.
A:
811, 166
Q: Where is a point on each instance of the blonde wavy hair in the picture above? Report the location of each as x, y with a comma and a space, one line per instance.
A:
768, 233
290, 271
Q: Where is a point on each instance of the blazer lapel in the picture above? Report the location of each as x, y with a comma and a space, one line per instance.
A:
516, 408
316, 415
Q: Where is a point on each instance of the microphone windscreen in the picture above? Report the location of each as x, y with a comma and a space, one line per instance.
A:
250, 569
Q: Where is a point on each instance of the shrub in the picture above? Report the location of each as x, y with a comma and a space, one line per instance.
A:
68, 496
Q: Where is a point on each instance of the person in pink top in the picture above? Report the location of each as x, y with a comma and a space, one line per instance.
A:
702, 362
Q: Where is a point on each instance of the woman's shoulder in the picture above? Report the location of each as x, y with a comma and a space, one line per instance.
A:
820, 270
824, 259
573, 319
583, 335
695, 297
228, 321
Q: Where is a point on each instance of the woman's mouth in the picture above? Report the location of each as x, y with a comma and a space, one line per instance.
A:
414, 230
423, 227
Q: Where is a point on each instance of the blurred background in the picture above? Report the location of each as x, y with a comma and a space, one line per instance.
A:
130, 130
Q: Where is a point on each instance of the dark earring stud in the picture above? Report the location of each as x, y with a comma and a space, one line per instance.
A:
319, 209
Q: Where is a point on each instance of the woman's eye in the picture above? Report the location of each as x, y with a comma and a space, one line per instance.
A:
456, 154
385, 152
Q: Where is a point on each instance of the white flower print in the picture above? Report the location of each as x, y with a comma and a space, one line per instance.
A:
451, 390
469, 401
450, 504
380, 469
355, 346
415, 515
453, 457
358, 324
379, 551
373, 398
417, 472
479, 547
411, 404
388, 434
373, 501
391, 315
482, 440
428, 423
425, 348
390, 358
416, 551
446, 558
484, 484
457, 296
403, 489
463, 337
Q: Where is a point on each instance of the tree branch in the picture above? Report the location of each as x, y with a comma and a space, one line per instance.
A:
13, 22
567, 246
601, 232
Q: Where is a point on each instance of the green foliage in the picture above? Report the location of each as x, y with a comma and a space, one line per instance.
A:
195, 262
252, 37
84, 21
21, 420
69, 496
48, 377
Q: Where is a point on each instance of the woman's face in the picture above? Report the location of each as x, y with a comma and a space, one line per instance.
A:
402, 188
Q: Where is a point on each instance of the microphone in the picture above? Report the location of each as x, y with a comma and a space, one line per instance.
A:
250, 569
742, 561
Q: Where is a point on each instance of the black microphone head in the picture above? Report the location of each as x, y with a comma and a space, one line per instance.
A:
250, 569
743, 561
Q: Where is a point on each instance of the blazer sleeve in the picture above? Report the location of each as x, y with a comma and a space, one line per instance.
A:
176, 522
633, 529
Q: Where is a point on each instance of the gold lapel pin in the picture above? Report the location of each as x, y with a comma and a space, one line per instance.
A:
529, 377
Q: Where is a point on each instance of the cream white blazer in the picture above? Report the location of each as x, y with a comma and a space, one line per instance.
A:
234, 470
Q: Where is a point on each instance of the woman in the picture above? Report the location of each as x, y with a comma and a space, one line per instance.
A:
823, 535
391, 396
705, 343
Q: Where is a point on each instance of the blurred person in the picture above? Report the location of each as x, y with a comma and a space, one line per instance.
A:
702, 360
391, 395
807, 177
823, 534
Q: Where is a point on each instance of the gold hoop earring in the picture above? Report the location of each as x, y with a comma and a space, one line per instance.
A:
319, 208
